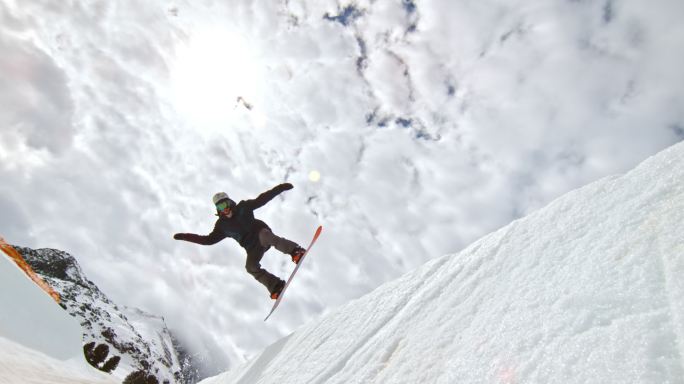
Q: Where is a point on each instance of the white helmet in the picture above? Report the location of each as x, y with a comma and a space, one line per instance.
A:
220, 196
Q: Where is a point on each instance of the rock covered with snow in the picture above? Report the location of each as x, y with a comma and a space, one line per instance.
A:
39, 341
141, 340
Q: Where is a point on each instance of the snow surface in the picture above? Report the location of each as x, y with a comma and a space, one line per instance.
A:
22, 365
586, 290
39, 341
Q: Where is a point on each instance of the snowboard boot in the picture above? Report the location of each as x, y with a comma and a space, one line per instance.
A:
276, 292
297, 254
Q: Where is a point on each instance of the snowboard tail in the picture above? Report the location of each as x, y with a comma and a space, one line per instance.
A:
282, 293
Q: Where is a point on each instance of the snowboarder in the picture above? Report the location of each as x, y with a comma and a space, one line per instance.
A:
237, 221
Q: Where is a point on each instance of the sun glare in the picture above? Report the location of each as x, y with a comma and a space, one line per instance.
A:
215, 74
314, 176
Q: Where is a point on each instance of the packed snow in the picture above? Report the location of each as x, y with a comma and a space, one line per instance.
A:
22, 365
585, 290
39, 341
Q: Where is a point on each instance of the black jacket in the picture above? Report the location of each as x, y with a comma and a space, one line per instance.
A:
241, 226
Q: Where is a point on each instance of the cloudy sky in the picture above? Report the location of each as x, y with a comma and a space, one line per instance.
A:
429, 122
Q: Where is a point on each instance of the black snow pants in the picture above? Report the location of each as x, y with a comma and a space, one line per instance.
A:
254, 254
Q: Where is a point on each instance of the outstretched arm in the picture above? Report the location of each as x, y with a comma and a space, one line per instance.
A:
212, 238
268, 195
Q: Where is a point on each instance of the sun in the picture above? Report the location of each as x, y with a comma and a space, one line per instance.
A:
215, 74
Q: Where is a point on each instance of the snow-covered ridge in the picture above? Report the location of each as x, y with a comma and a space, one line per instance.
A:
586, 290
141, 340
40, 343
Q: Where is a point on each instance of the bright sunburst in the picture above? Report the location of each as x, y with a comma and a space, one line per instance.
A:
216, 73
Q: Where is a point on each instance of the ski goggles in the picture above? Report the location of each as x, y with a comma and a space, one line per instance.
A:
222, 206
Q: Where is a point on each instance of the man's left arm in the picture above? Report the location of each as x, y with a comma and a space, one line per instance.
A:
268, 195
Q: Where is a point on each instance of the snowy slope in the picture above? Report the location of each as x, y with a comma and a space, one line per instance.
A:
39, 341
22, 365
586, 290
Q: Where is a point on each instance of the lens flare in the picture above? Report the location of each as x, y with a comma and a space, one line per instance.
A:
314, 176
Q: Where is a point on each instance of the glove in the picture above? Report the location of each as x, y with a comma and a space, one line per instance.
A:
285, 186
179, 236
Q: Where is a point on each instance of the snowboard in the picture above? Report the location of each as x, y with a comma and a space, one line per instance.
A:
282, 293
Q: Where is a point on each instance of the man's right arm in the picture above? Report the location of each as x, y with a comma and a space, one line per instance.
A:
212, 238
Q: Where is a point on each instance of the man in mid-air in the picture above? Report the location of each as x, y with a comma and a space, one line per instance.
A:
237, 221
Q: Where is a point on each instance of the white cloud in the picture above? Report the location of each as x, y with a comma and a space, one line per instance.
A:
34, 94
